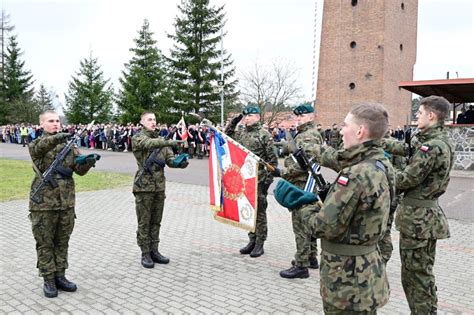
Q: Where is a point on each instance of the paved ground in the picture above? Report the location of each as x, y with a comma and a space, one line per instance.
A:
206, 273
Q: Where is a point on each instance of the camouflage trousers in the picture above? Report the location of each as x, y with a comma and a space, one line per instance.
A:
261, 228
306, 244
331, 310
52, 230
418, 280
149, 207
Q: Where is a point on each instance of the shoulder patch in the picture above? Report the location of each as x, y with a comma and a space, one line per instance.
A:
343, 180
424, 148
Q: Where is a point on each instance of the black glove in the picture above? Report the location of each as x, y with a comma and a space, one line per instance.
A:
236, 120
90, 161
175, 143
276, 172
184, 164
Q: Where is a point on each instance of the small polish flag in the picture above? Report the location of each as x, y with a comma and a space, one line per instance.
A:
343, 180
424, 148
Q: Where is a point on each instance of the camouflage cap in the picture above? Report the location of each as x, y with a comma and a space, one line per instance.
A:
303, 109
251, 110
292, 197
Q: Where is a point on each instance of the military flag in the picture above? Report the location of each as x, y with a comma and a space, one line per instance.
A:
233, 181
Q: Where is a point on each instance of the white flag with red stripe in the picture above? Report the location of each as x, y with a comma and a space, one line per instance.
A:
184, 130
233, 181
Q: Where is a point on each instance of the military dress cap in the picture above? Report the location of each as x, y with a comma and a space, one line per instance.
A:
83, 158
303, 109
251, 110
180, 159
292, 197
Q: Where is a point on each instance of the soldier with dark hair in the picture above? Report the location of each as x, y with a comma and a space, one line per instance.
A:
306, 245
149, 186
354, 216
52, 218
258, 140
420, 219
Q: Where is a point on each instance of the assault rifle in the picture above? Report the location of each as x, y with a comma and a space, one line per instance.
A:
306, 164
150, 161
56, 168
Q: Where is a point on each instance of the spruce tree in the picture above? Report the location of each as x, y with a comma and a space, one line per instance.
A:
144, 86
196, 60
44, 99
17, 88
89, 96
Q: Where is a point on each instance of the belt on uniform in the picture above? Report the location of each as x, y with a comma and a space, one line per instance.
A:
347, 249
423, 203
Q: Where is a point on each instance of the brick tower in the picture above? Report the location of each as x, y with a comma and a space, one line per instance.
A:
367, 48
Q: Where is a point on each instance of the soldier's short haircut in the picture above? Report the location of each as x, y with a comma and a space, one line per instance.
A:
46, 112
146, 113
438, 105
374, 116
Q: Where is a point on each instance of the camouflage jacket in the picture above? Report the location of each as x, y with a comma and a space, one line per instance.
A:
425, 178
306, 138
143, 144
43, 151
260, 142
355, 212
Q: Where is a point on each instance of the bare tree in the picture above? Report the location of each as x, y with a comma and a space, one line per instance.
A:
274, 88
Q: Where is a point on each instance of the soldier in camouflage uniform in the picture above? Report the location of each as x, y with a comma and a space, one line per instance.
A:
335, 137
306, 245
53, 217
352, 221
260, 142
321, 131
419, 218
149, 188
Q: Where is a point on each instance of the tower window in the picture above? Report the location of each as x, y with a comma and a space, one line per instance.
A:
353, 44
403, 6
401, 47
352, 85
354, 3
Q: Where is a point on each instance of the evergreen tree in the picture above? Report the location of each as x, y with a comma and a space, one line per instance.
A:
5, 28
144, 83
17, 88
89, 95
44, 99
196, 60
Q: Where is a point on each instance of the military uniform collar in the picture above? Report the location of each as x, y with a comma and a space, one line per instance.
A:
150, 133
305, 126
431, 132
359, 152
253, 127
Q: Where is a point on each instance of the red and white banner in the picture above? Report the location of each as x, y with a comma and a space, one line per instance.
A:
233, 180
184, 130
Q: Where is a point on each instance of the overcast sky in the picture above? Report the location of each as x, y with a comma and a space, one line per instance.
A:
56, 34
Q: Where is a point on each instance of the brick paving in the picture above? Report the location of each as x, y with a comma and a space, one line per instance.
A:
206, 274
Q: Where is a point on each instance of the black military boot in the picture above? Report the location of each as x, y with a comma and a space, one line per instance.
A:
158, 258
313, 263
247, 249
64, 284
295, 272
257, 250
147, 262
49, 288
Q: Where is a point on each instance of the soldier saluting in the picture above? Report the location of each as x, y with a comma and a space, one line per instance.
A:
152, 153
258, 140
52, 204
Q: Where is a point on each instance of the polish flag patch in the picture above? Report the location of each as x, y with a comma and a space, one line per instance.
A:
425, 148
343, 180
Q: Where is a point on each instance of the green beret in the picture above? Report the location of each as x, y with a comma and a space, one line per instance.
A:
251, 110
180, 159
82, 159
303, 109
292, 197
